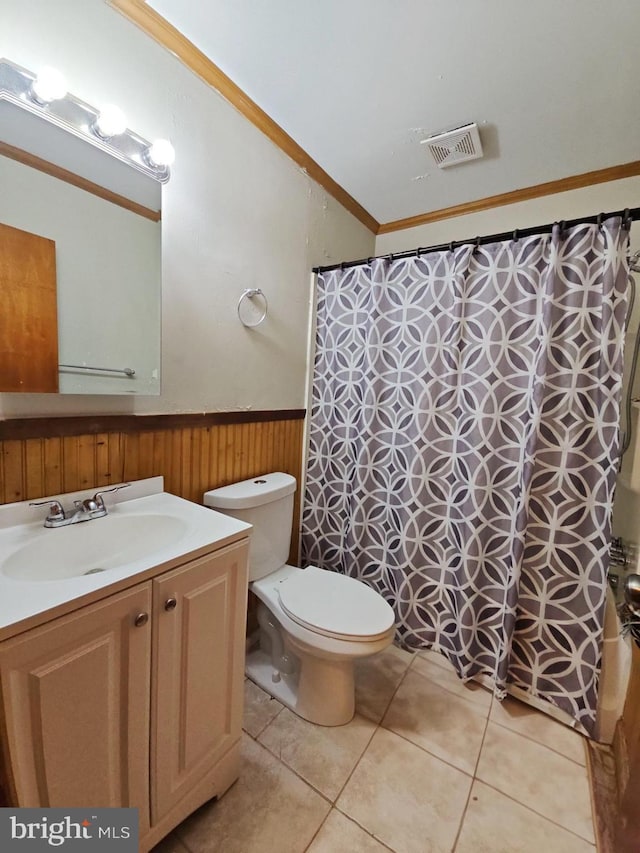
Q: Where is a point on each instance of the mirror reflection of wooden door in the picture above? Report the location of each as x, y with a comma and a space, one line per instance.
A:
28, 312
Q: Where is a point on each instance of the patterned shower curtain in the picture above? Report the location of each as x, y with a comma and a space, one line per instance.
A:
463, 450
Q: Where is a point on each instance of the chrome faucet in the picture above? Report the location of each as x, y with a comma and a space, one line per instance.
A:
85, 510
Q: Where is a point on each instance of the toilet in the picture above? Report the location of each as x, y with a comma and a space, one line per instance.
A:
313, 624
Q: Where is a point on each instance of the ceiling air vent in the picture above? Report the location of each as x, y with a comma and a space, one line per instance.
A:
455, 146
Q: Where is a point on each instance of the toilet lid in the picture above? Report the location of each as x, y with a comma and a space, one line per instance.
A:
335, 605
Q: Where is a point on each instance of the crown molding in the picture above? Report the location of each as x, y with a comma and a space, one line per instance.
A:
575, 182
159, 29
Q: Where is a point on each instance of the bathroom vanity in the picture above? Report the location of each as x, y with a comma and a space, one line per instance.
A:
130, 693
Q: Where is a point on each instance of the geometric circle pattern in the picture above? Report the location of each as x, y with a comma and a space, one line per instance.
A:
463, 450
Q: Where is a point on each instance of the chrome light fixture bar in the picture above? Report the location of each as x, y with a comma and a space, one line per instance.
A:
44, 95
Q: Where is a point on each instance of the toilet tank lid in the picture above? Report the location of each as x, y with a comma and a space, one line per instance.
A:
250, 493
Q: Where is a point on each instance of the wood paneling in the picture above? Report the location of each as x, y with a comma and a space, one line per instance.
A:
191, 459
28, 312
91, 424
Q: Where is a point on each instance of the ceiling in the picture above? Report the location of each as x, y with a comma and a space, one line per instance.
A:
552, 84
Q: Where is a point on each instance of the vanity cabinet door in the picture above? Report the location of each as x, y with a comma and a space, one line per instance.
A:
197, 676
75, 700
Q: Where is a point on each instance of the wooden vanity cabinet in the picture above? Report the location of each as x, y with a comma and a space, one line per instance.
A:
76, 700
197, 678
134, 701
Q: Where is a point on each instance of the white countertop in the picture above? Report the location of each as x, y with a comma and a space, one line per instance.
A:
21, 526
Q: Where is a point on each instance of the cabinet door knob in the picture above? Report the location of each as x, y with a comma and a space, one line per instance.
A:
141, 619
170, 604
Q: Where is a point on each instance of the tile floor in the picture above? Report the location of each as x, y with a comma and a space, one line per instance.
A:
428, 765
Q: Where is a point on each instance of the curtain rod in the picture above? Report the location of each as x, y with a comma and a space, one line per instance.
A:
628, 215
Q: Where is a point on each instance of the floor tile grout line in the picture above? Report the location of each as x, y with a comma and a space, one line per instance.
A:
449, 668
393, 695
497, 722
373, 734
534, 811
525, 805
272, 699
266, 726
426, 751
476, 706
363, 828
376, 725
306, 781
299, 776
539, 742
379, 724
317, 832
296, 774
473, 780
353, 769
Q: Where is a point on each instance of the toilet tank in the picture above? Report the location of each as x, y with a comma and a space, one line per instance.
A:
266, 502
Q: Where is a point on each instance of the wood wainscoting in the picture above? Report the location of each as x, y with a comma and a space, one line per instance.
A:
49, 456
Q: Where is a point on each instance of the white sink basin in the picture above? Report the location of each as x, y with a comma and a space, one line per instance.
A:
146, 529
92, 546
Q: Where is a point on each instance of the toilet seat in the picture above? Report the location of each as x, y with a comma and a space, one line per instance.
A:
335, 605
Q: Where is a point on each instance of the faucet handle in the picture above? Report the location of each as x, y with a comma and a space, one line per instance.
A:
57, 511
98, 495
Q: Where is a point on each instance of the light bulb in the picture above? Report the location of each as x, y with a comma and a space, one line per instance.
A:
49, 85
110, 122
161, 153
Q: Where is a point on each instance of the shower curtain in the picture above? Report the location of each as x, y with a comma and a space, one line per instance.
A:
463, 450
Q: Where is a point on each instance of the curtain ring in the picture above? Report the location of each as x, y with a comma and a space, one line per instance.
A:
599, 220
451, 246
626, 219
515, 236
391, 257
561, 226
477, 245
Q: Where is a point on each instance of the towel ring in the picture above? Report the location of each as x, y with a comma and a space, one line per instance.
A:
249, 294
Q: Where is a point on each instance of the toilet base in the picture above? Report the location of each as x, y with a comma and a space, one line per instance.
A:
322, 692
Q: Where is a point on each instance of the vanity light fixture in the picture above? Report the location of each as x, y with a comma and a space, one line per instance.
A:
48, 86
161, 153
46, 95
110, 122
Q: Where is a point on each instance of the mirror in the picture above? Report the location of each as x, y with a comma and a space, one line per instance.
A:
100, 217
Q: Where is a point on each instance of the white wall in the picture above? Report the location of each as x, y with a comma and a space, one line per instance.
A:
237, 213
